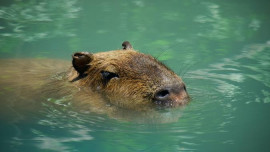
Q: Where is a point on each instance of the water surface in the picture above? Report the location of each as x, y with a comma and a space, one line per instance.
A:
220, 48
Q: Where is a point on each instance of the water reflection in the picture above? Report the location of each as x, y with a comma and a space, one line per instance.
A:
223, 88
232, 75
54, 130
78, 134
31, 21
218, 25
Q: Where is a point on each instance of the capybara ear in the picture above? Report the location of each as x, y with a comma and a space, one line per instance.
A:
80, 61
126, 45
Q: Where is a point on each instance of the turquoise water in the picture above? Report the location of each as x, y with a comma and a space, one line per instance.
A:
220, 48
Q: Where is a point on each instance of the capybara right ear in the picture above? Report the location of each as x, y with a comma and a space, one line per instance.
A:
80, 61
126, 45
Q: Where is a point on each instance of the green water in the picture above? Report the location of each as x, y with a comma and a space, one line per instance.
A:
220, 48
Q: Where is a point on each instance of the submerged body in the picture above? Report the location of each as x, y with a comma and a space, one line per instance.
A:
103, 82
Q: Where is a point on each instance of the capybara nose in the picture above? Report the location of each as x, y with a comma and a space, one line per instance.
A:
173, 95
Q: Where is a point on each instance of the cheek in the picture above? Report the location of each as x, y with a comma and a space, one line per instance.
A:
126, 89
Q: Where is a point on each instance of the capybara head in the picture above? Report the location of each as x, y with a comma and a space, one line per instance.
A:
128, 79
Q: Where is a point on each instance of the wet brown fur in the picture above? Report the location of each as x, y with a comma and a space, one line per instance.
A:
140, 76
25, 82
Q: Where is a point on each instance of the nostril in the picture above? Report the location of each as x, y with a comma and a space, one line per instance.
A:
162, 95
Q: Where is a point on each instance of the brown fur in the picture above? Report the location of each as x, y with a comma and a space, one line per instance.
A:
140, 77
26, 81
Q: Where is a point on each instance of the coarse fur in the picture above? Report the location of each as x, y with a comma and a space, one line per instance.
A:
136, 80
140, 76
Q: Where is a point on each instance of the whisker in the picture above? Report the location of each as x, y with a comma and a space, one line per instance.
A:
172, 47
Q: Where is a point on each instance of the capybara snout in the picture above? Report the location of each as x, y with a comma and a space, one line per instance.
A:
172, 95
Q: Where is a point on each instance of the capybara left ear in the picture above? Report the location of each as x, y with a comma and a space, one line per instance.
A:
80, 61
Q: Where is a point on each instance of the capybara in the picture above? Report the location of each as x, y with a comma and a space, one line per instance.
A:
101, 82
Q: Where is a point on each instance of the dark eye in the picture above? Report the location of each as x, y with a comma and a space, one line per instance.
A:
107, 76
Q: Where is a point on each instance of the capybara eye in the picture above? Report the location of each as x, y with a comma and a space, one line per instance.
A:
185, 88
107, 76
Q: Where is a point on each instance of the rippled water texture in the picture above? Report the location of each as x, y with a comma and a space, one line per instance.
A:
220, 48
